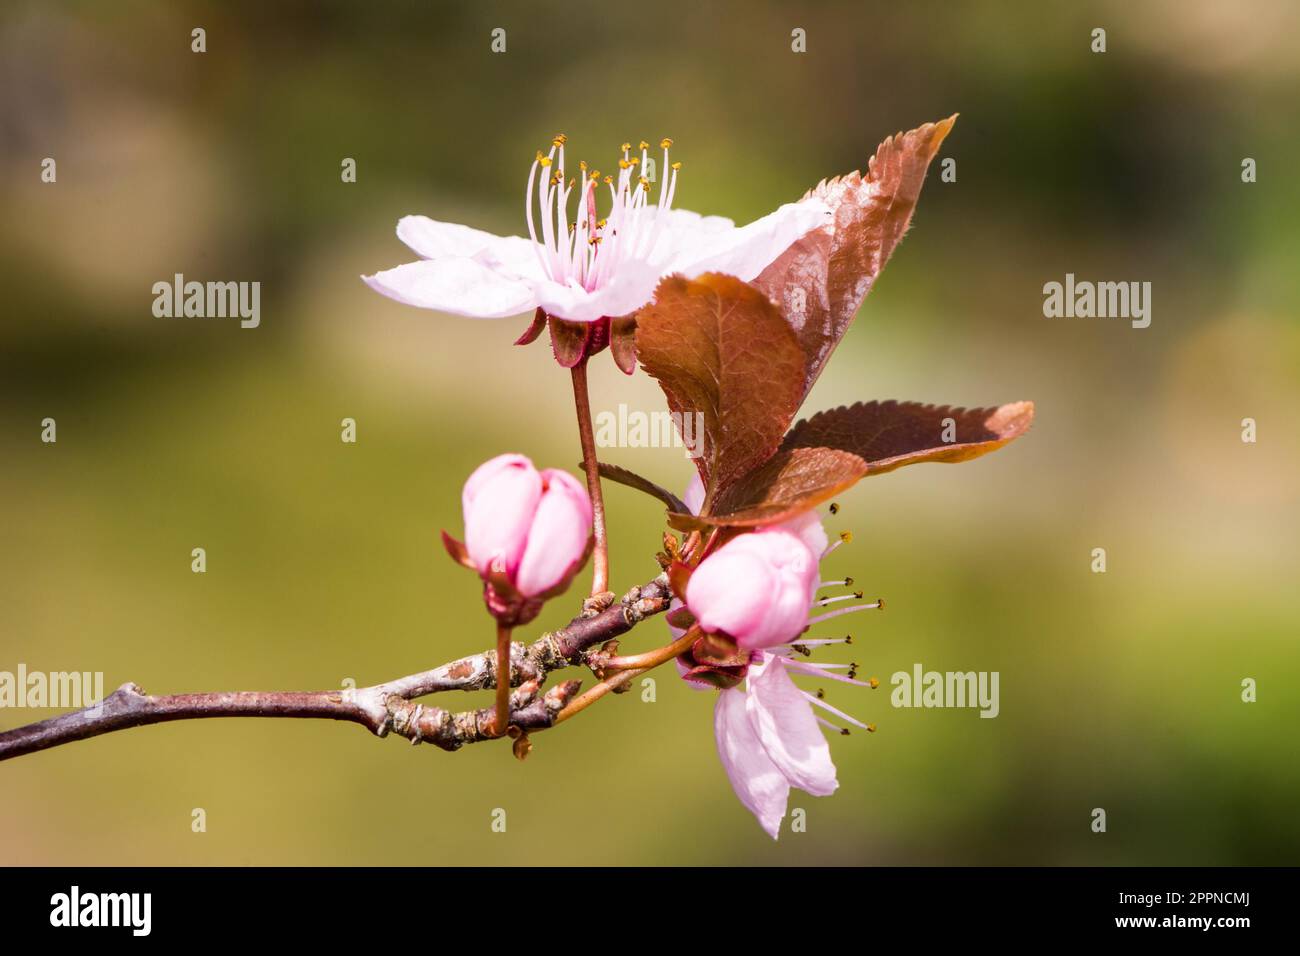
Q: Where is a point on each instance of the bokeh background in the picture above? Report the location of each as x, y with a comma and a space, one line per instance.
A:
1118, 690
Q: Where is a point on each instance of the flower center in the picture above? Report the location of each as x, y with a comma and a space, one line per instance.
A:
587, 251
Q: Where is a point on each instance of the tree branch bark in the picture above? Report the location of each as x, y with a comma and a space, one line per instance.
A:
385, 707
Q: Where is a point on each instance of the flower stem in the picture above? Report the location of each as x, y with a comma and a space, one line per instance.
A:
582, 404
502, 719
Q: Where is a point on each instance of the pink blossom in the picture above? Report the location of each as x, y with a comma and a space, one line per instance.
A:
757, 588
527, 533
575, 265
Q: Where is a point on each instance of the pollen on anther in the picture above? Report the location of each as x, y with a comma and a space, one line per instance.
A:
560, 139
874, 682
665, 143
625, 147
644, 145
677, 165
846, 536
835, 508
848, 582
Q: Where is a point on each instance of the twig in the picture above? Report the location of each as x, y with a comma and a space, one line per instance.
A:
382, 707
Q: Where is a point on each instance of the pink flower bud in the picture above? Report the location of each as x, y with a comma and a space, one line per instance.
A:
527, 533
756, 588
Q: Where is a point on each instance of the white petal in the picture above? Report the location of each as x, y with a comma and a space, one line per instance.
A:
747, 251
784, 721
430, 239
758, 783
680, 229
627, 290
456, 285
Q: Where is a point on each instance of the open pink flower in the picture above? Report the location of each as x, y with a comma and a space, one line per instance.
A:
586, 267
527, 533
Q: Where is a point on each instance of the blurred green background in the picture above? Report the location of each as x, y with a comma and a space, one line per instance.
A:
1118, 690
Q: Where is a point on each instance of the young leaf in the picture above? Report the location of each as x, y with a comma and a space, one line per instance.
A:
888, 435
794, 480
719, 348
630, 478
820, 281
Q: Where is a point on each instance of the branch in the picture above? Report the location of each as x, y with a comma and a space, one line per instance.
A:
382, 707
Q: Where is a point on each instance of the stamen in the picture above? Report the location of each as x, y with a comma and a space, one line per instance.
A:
875, 606
818, 702
823, 602
823, 641
847, 582
844, 538
823, 670
835, 727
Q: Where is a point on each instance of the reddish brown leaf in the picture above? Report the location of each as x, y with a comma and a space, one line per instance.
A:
718, 347
888, 435
794, 480
821, 280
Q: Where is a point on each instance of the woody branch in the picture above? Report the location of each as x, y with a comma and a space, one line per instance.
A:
390, 706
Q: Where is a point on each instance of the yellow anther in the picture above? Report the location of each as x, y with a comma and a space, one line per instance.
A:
665, 143
874, 682
677, 166
571, 182
624, 164
625, 147
544, 160
609, 181
634, 160
560, 139
582, 164
644, 145
846, 536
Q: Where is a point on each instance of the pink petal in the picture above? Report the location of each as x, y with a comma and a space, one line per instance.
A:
747, 251
456, 285
500, 500
730, 591
761, 787
559, 533
807, 527
784, 721
784, 594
